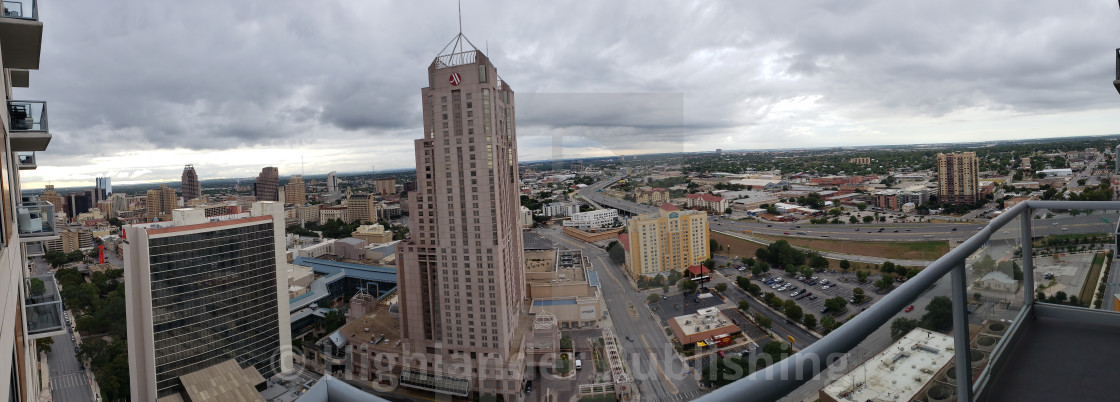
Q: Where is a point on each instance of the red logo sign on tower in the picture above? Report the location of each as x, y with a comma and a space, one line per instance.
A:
455, 79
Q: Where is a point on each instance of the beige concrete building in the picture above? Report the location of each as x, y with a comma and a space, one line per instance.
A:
461, 275
328, 213
558, 283
863, 160
160, 202
51, 196
958, 180
705, 324
308, 213
191, 306
386, 186
361, 208
664, 240
295, 192
373, 234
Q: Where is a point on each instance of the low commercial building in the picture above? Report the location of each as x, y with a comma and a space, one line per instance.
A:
71, 239
593, 219
373, 234
705, 324
708, 202
350, 248
560, 209
561, 283
1057, 172
899, 373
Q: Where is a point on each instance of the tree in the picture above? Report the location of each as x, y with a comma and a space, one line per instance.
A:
888, 267
674, 276
818, 262
44, 344
885, 283
566, 342
976, 296
902, 326
806, 272
857, 295
709, 264
762, 321
810, 321
862, 206
333, 320
853, 219
721, 287
37, 286
727, 211
754, 289
939, 314
868, 219
652, 298
845, 265
835, 304
744, 306
664, 289
861, 276
793, 311
742, 282
688, 285
828, 324
616, 252
713, 245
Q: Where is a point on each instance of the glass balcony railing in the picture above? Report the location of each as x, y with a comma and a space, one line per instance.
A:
21, 9
1028, 300
43, 308
36, 249
26, 160
35, 219
27, 115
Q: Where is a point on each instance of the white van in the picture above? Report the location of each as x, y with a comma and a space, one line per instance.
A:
579, 364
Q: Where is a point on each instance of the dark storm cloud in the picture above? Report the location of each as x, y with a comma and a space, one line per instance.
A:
210, 75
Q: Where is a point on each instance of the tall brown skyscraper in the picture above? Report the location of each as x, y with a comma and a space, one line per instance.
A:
958, 178
268, 185
461, 274
191, 187
295, 192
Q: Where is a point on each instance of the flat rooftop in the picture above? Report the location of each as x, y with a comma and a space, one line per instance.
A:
703, 320
554, 266
899, 372
374, 325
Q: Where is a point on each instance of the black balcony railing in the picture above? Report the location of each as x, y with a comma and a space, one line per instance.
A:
21, 9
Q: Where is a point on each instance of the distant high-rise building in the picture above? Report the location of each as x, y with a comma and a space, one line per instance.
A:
332, 182
471, 235
192, 189
295, 190
77, 203
104, 188
267, 187
53, 197
668, 239
958, 178
200, 292
719, 151
361, 208
386, 186
160, 202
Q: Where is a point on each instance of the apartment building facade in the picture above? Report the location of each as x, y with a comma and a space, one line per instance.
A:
958, 178
666, 240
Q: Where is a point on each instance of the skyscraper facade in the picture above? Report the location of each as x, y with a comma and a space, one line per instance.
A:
202, 290
51, 196
332, 182
958, 178
104, 187
295, 190
668, 239
461, 274
386, 186
267, 187
192, 189
160, 202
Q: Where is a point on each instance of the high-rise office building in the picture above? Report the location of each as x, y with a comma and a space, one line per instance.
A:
160, 202
202, 290
192, 189
295, 190
332, 182
267, 187
958, 178
461, 276
668, 239
104, 188
51, 196
78, 203
386, 186
24, 316
361, 208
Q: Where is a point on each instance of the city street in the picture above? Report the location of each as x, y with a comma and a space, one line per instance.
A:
660, 373
68, 381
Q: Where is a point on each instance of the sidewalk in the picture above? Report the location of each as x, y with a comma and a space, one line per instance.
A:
45, 375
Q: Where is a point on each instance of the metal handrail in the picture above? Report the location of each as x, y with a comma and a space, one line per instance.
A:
1118, 64
780, 379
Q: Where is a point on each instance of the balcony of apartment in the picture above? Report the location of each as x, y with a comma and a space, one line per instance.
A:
35, 249
1020, 347
26, 160
36, 221
43, 308
20, 78
21, 34
27, 125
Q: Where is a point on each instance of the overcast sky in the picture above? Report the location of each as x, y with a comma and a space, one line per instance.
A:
137, 88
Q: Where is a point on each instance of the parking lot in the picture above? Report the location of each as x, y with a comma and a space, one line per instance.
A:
839, 285
678, 305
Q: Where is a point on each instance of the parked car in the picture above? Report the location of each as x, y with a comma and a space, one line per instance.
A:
579, 364
720, 353
910, 308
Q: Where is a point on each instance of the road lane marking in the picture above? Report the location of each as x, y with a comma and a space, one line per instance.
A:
664, 378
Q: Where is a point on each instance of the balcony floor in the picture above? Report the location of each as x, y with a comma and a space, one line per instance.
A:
1059, 360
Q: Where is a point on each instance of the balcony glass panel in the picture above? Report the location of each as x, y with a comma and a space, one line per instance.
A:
27, 115
989, 310
21, 9
26, 159
35, 219
44, 307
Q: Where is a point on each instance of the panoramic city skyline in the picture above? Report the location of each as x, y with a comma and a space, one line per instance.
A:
338, 89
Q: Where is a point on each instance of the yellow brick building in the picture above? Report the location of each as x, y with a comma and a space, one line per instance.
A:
667, 239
